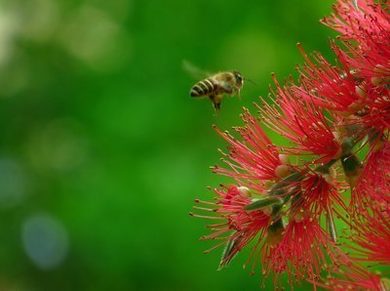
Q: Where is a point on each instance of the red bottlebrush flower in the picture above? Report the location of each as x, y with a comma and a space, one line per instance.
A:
301, 253
371, 233
332, 111
300, 121
252, 160
356, 20
231, 205
355, 278
342, 90
326, 85
365, 28
374, 181
316, 195
372, 76
237, 226
369, 64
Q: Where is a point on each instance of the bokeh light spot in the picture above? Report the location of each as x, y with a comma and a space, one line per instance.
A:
45, 241
12, 181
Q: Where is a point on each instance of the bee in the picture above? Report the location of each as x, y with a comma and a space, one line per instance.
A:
216, 86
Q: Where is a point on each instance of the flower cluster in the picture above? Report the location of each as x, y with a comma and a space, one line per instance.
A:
284, 199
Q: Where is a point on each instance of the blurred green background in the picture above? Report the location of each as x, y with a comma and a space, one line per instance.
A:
102, 151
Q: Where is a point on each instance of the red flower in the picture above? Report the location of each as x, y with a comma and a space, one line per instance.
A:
237, 226
302, 122
302, 252
344, 90
356, 20
252, 160
369, 64
329, 116
365, 29
371, 233
315, 195
355, 278
374, 181
326, 85
371, 75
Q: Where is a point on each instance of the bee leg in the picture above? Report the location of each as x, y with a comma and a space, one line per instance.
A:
216, 99
217, 105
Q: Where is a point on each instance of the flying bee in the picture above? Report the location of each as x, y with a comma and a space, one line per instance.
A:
216, 86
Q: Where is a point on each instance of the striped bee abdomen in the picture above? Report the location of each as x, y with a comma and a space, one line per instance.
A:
202, 88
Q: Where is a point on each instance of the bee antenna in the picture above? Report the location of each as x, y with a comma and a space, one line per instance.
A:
251, 81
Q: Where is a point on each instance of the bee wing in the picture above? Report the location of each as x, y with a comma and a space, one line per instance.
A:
194, 71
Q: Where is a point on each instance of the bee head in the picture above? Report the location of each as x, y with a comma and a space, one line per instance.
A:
239, 78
